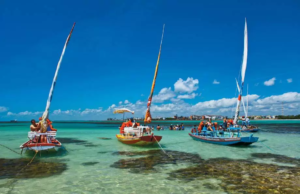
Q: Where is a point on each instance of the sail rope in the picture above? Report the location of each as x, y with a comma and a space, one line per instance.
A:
274, 150
170, 156
10, 149
14, 180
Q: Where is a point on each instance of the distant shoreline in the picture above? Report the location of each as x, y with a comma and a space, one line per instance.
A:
141, 121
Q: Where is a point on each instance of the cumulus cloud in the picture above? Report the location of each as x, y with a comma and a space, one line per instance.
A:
3, 109
126, 102
270, 82
270, 105
216, 82
187, 96
163, 95
286, 97
189, 85
290, 80
120, 102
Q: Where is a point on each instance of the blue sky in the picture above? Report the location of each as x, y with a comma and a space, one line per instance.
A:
113, 51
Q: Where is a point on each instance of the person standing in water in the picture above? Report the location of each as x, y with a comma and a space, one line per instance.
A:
182, 127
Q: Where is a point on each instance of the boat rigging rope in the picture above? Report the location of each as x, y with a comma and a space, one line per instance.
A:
170, 156
10, 149
14, 180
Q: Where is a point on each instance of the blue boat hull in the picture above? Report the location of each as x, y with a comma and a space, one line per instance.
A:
251, 130
225, 140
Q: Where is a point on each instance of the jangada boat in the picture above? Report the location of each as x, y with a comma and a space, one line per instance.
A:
233, 135
45, 139
134, 134
228, 138
139, 135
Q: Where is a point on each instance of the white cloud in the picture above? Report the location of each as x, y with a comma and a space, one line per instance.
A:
290, 80
270, 82
286, 97
120, 102
216, 82
187, 96
221, 103
189, 85
89, 111
266, 106
126, 102
25, 113
3, 109
163, 95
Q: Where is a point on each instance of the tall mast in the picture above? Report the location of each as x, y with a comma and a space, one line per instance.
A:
46, 113
243, 72
247, 100
148, 115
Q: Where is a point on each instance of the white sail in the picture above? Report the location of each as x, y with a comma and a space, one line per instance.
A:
244, 66
46, 113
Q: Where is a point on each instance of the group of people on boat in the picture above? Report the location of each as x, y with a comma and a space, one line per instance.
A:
40, 128
226, 125
176, 127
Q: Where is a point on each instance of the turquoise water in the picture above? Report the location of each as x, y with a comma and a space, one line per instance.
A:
101, 177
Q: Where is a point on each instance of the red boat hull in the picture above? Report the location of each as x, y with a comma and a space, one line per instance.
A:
30, 145
143, 140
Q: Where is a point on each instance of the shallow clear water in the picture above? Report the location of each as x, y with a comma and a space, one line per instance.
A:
100, 177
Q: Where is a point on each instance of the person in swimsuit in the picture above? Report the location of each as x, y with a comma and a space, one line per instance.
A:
209, 125
34, 126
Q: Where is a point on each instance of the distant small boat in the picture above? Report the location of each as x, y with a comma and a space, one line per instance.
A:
131, 132
35, 143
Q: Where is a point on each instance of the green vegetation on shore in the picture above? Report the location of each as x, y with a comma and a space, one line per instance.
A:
288, 117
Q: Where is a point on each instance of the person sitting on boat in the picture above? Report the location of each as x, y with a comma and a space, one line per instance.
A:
209, 125
247, 121
229, 123
224, 126
200, 127
215, 125
243, 121
194, 130
50, 127
34, 126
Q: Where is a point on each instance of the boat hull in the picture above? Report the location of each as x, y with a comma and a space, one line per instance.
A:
29, 145
225, 141
254, 130
140, 141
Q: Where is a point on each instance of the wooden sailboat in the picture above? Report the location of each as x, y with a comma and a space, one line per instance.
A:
45, 138
131, 132
233, 134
